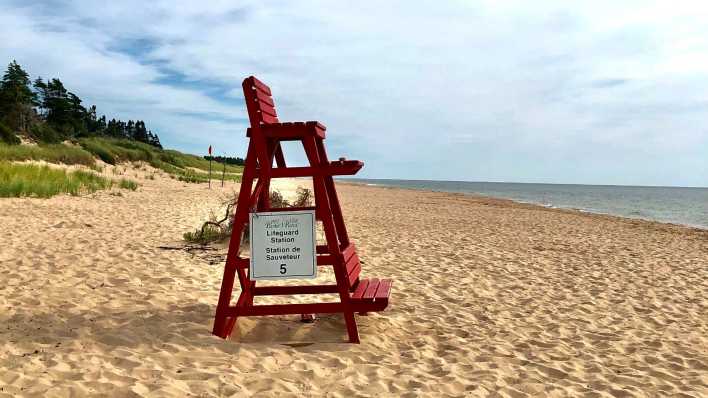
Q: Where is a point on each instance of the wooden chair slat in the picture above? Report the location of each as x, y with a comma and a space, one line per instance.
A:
348, 252
260, 85
354, 274
352, 262
384, 289
263, 98
360, 289
266, 118
371, 289
266, 92
269, 110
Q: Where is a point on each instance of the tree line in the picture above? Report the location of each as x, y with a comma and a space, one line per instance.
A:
48, 112
226, 159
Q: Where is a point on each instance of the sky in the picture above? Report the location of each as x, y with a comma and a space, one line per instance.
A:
591, 92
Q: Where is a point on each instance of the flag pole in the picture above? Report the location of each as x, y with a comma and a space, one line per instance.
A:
210, 157
223, 171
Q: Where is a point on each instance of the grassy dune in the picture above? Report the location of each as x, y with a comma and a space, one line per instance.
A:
31, 180
118, 150
185, 167
54, 153
43, 182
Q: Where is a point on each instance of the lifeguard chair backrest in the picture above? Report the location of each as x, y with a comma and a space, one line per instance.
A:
259, 102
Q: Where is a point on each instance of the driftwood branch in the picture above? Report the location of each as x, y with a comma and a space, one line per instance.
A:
217, 223
188, 248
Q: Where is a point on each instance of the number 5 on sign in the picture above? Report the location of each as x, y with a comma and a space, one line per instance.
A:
283, 245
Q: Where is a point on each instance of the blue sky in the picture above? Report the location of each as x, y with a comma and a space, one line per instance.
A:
542, 91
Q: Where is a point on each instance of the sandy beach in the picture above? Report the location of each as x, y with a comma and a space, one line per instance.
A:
491, 298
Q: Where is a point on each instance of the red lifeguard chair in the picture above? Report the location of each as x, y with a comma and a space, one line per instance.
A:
265, 134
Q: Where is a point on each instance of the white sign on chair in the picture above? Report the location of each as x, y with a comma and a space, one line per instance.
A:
283, 245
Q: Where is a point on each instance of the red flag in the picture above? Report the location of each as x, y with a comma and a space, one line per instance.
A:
209, 149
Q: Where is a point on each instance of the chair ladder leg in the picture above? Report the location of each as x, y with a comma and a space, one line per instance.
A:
223, 324
351, 327
323, 202
221, 321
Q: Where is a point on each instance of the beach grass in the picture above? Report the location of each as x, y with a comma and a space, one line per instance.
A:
53, 153
18, 180
127, 184
42, 181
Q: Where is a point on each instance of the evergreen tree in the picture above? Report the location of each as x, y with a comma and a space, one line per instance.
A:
47, 111
112, 129
130, 129
140, 132
58, 106
16, 97
91, 121
122, 130
101, 125
77, 115
41, 92
154, 140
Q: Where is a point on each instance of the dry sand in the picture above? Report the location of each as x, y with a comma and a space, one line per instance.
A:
491, 298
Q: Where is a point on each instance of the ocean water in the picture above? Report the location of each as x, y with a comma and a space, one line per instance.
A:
687, 206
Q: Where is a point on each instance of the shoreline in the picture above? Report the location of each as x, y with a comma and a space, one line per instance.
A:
696, 228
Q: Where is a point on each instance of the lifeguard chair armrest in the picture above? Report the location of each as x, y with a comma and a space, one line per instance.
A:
291, 131
354, 164
335, 168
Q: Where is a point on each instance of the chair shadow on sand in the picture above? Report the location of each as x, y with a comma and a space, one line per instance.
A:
290, 330
182, 327
190, 325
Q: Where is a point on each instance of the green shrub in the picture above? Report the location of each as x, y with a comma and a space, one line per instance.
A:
98, 149
208, 234
18, 180
7, 136
303, 197
128, 184
45, 134
277, 199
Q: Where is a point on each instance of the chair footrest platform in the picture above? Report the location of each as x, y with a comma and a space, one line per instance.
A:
372, 291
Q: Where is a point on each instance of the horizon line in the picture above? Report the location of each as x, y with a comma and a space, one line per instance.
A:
536, 183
